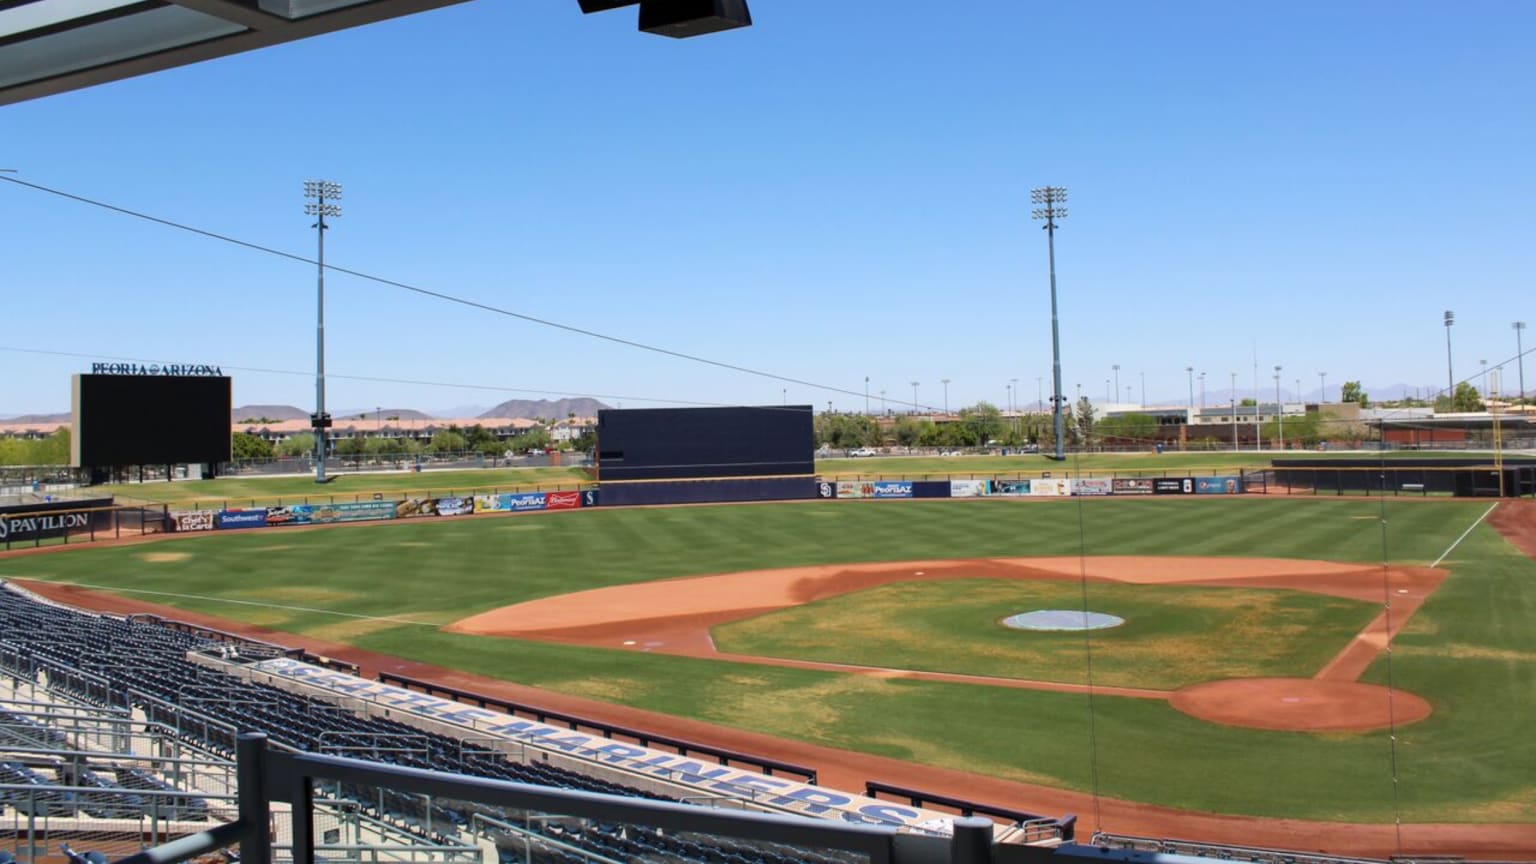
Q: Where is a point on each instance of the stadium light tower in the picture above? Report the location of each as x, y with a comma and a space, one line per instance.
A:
1051, 199
914, 397
1450, 377
320, 192
1116, 367
1322, 382
1279, 411
946, 396
1190, 371
1519, 327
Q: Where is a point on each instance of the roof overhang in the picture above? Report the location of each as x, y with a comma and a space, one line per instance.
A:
54, 46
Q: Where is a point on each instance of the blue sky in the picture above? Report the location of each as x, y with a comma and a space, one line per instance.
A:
840, 190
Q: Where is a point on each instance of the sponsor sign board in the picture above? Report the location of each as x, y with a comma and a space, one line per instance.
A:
489, 503
1054, 487
455, 506
562, 500
1173, 486
855, 489
708, 776
1012, 487
1218, 485
1131, 486
415, 507
193, 520
351, 511
1093, 486
228, 519
292, 514
31, 527
969, 488
589, 498
826, 489
891, 489
522, 502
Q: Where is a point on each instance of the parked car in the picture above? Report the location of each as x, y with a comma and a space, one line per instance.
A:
863, 451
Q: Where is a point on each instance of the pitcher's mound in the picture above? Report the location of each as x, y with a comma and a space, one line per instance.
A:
1300, 704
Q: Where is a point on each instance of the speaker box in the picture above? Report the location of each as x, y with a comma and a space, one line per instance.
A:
683, 18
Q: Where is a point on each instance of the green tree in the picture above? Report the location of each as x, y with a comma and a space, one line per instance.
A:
906, 431
301, 444
1305, 430
1083, 429
1351, 392
449, 440
1132, 427
1467, 399
351, 445
247, 446
982, 422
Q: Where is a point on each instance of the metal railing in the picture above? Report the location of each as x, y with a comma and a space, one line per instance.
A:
267, 776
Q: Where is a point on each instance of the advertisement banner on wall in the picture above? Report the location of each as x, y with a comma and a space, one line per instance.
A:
1131, 486
891, 489
855, 489
589, 498
193, 520
351, 511
228, 519
562, 500
415, 507
292, 514
37, 525
490, 503
1218, 485
826, 489
455, 506
969, 488
1093, 486
1173, 486
1053, 487
1012, 487
522, 502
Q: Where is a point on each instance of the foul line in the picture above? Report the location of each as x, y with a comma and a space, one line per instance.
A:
120, 590
1449, 549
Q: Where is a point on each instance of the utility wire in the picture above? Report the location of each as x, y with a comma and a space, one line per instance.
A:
439, 295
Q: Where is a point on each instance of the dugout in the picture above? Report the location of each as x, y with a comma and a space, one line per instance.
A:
1460, 476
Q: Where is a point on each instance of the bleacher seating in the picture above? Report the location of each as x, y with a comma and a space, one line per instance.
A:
208, 704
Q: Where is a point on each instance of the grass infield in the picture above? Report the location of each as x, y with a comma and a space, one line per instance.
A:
1470, 649
1173, 635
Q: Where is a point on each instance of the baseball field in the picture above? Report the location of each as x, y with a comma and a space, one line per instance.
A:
876, 627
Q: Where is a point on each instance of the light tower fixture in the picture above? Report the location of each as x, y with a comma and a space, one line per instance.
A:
1050, 204
945, 381
1519, 328
1450, 377
1279, 411
914, 397
1322, 383
321, 195
1190, 371
1116, 368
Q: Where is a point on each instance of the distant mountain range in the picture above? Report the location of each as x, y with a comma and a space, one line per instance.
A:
270, 412
542, 409
545, 409
41, 418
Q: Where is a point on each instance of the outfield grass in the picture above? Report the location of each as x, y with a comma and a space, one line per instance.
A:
254, 491
1173, 635
1469, 651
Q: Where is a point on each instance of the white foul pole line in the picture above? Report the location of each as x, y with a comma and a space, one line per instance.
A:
1464, 534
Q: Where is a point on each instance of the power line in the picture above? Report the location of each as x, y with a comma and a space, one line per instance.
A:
426, 292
